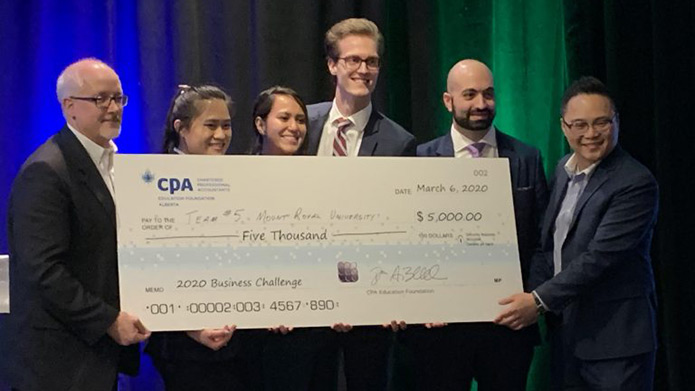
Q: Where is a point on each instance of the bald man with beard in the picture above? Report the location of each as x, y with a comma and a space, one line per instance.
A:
65, 330
449, 356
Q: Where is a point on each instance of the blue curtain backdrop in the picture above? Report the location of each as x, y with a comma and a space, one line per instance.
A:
154, 45
643, 49
37, 40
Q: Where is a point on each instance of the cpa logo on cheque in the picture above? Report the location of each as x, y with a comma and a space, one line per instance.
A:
170, 185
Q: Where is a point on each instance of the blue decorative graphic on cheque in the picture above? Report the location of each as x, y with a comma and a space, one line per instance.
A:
148, 176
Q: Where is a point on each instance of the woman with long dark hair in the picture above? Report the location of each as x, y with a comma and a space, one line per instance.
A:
279, 119
199, 121
300, 359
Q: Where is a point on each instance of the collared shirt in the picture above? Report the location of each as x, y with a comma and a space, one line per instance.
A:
354, 132
575, 187
178, 151
102, 158
461, 143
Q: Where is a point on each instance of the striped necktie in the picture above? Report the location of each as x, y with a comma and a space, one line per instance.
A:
340, 147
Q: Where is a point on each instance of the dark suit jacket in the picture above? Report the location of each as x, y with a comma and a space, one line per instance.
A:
605, 291
529, 188
63, 273
382, 136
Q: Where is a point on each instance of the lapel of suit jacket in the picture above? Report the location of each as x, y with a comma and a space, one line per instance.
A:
558, 194
316, 125
87, 172
598, 178
506, 149
370, 136
445, 147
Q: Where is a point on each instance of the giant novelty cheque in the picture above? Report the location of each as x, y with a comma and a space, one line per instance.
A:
206, 241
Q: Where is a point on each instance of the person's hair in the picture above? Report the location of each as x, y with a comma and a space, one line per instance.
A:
263, 106
588, 85
70, 80
183, 107
353, 26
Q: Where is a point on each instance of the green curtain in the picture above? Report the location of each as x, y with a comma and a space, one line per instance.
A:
521, 41
529, 65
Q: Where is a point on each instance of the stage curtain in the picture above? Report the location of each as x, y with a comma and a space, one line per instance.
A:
643, 49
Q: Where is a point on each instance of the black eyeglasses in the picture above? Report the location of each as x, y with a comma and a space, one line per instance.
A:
601, 125
354, 62
104, 102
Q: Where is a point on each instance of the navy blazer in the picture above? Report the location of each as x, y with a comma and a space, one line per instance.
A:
382, 136
605, 291
529, 188
64, 274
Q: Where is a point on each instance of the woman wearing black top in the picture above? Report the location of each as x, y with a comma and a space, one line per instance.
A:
302, 359
199, 123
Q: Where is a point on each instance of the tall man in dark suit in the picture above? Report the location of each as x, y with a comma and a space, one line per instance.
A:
448, 357
65, 330
350, 126
347, 126
594, 275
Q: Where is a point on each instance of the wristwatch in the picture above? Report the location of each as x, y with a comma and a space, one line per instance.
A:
539, 305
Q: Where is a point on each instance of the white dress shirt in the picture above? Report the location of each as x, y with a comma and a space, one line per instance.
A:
353, 135
102, 158
461, 143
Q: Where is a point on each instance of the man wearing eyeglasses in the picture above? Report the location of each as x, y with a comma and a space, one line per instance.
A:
346, 127
65, 329
349, 126
594, 276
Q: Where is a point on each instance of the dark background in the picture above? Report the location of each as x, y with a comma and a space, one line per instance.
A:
644, 51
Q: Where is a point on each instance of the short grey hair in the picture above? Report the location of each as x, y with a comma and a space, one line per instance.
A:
70, 80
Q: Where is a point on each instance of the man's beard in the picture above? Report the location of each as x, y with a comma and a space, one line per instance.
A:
476, 125
111, 133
